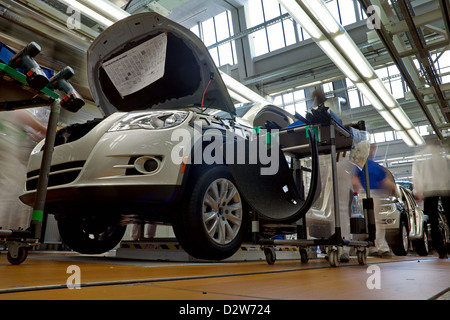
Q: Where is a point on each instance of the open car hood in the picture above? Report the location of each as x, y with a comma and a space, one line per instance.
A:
148, 61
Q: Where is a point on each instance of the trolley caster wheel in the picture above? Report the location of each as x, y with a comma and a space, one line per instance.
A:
304, 255
270, 255
21, 256
362, 257
333, 258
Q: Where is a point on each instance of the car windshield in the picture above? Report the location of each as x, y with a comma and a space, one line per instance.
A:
406, 185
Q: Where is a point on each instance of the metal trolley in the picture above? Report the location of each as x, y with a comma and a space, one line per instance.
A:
29, 88
331, 138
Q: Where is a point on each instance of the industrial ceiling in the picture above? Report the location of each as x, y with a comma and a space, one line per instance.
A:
409, 30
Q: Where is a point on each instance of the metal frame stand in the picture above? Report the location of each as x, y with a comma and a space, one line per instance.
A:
19, 241
31, 89
334, 244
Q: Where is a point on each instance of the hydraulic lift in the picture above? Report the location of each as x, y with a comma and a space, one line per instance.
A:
24, 84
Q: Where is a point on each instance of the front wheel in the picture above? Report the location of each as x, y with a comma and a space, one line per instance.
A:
89, 235
213, 224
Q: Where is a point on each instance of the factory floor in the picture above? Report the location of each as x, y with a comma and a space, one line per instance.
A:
49, 275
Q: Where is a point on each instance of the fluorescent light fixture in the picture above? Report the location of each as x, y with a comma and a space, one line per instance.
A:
391, 120
338, 60
243, 91
106, 8
416, 136
378, 86
401, 117
89, 12
301, 17
406, 138
321, 13
354, 54
237, 96
371, 96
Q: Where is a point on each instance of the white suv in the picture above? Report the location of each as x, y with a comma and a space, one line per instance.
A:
156, 155
404, 222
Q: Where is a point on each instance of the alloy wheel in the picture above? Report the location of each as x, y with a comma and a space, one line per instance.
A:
222, 211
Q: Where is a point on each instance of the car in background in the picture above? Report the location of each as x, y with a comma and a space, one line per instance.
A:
443, 228
404, 222
406, 184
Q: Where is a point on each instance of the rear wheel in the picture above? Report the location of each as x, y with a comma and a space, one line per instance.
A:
421, 245
214, 223
445, 232
401, 241
89, 235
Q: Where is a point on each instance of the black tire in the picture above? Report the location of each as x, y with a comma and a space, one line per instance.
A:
362, 257
206, 232
333, 258
270, 254
304, 255
422, 245
89, 236
401, 241
21, 256
445, 232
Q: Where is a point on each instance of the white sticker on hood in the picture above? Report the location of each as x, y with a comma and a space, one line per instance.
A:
138, 67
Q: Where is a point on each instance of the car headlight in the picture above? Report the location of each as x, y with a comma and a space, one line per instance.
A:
150, 120
387, 208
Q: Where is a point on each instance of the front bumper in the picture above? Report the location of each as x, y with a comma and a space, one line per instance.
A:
100, 167
131, 197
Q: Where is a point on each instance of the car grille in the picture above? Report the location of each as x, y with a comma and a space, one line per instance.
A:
59, 174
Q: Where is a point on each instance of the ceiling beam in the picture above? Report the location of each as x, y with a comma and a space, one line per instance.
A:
420, 20
425, 58
445, 10
385, 37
